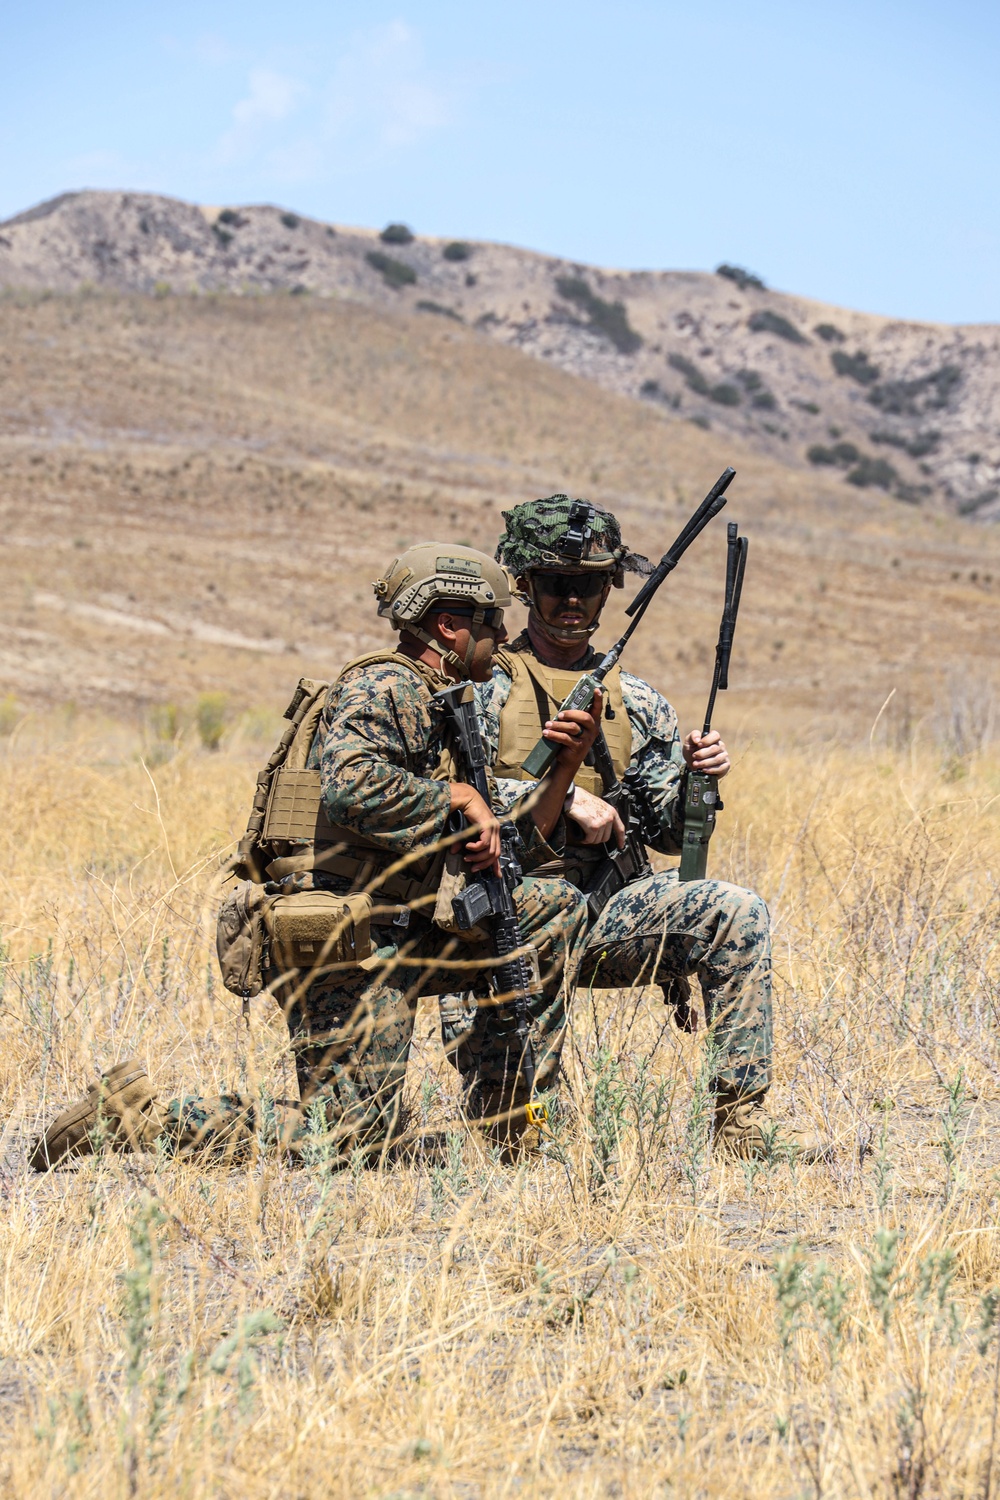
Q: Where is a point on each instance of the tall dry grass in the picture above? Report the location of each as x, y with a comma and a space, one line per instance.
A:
627, 1316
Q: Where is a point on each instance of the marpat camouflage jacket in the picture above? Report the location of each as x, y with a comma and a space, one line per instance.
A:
378, 745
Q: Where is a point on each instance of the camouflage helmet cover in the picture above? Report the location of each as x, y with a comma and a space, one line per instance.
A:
560, 532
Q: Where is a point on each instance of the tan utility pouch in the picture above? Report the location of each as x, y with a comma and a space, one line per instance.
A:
240, 937
314, 929
453, 882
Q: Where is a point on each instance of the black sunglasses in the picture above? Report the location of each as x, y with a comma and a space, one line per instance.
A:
571, 585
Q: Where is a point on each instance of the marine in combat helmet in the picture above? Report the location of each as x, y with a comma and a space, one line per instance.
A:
566, 556
387, 786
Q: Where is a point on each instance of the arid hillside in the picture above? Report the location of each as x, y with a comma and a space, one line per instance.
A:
197, 491
907, 409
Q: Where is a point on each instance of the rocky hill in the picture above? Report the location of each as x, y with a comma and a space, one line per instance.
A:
196, 492
910, 409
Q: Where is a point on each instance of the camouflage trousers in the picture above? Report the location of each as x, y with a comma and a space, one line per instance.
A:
658, 929
350, 1035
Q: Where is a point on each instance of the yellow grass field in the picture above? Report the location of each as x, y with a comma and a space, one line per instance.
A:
625, 1317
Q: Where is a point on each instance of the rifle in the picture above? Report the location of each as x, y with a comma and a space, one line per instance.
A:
701, 799
630, 800
582, 696
489, 898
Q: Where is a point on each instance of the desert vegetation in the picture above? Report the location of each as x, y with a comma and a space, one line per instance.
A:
626, 1314
196, 494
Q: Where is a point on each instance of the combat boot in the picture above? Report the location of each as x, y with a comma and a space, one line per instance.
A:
503, 1123
743, 1129
120, 1110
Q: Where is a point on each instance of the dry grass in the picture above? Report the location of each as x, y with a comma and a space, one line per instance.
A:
626, 1317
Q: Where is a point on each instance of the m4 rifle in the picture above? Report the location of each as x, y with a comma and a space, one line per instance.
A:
488, 898
544, 752
630, 799
701, 797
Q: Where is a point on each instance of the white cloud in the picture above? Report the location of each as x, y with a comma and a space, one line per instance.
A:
271, 98
382, 93
379, 97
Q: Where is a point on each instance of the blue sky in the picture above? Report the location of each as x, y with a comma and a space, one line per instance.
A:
845, 151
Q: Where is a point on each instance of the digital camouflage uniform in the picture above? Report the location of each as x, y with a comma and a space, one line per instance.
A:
656, 929
379, 743
342, 906
379, 748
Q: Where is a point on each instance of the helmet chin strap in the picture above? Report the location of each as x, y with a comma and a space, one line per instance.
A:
462, 665
559, 635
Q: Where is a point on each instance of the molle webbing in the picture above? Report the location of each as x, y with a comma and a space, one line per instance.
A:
288, 831
536, 692
307, 695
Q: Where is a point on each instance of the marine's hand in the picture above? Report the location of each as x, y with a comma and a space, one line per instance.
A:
597, 819
575, 731
706, 752
483, 851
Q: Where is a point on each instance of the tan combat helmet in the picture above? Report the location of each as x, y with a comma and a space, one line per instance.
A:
440, 575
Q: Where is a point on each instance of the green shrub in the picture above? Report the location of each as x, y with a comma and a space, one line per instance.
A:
693, 377
766, 321
10, 714
742, 278
291, 221
855, 366
913, 494
840, 454
976, 502
438, 307
224, 236
231, 217
210, 715
395, 272
909, 398
916, 446
872, 471
829, 333
809, 406
725, 395
610, 319
652, 390
397, 234
760, 397
457, 250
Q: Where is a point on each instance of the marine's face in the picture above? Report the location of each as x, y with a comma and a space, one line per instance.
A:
488, 639
455, 630
570, 601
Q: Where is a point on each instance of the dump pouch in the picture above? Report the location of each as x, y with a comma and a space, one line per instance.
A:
316, 929
240, 937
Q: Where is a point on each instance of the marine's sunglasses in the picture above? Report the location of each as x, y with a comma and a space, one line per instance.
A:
570, 585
